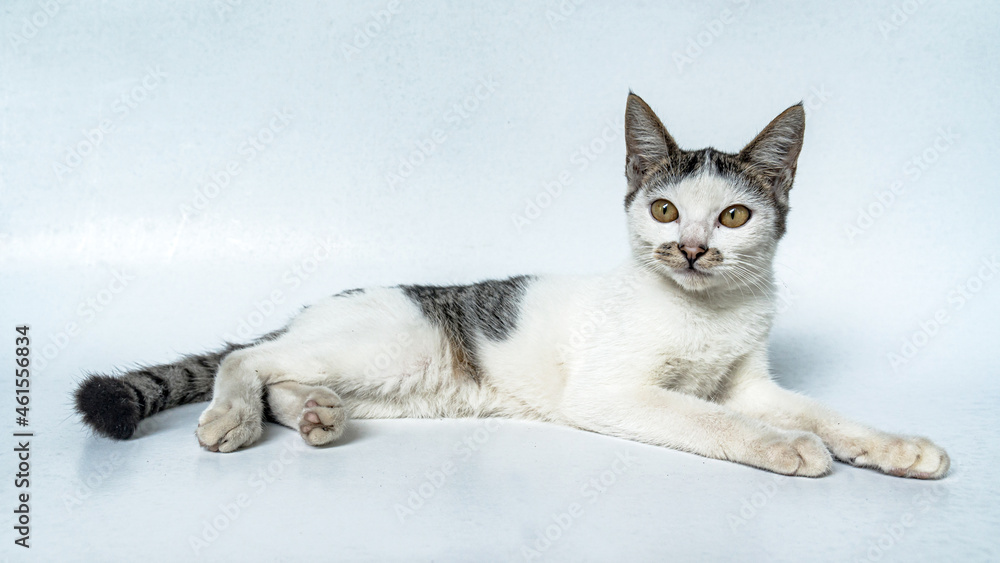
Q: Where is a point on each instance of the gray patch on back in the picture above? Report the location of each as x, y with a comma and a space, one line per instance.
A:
350, 292
467, 313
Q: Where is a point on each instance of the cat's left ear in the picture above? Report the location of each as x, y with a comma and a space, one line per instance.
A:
774, 152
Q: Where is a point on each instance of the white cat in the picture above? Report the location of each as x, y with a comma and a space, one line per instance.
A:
669, 349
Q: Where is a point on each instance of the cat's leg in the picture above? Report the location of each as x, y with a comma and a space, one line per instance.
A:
317, 412
376, 340
754, 394
235, 417
668, 418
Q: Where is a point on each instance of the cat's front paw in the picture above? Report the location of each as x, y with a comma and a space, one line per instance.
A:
796, 453
901, 456
226, 427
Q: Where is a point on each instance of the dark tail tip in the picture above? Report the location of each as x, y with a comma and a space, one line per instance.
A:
109, 406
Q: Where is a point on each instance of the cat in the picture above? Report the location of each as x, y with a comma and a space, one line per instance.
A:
669, 349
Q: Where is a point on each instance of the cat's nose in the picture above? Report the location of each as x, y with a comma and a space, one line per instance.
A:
693, 252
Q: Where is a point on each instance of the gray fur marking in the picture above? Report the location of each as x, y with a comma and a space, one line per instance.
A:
728, 166
350, 292
189, 380
467, 313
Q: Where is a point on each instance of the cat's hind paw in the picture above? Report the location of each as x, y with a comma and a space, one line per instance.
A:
228, 427
901, 456
323, 418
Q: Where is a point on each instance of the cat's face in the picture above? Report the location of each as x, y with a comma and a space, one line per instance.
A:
707, 219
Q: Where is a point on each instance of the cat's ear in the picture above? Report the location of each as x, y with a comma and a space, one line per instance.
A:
774, 152
646, 141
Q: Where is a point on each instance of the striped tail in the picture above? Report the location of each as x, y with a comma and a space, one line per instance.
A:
114, 405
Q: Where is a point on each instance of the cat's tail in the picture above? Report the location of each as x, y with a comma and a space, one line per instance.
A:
114, 405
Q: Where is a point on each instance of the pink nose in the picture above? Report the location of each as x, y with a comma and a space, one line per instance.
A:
693, 252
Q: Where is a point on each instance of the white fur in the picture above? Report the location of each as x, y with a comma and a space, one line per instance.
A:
629, 354
652, 353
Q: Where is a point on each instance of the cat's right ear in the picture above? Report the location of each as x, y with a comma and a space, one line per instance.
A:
647, 142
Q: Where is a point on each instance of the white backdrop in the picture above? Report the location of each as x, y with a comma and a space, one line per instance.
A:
173, 174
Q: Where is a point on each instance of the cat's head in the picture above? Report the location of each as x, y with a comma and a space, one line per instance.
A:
708, 219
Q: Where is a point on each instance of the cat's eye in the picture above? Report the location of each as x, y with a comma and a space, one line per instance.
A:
735, 216
664, 211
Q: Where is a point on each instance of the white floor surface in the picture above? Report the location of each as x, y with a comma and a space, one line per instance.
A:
137, 223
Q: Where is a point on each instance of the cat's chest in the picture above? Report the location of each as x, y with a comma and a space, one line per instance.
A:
690, 347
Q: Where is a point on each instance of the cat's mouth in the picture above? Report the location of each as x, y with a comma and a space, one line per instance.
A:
671, 255
692, 278
690, 273
693, 271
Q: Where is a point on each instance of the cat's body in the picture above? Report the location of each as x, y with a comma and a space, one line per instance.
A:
669, 349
